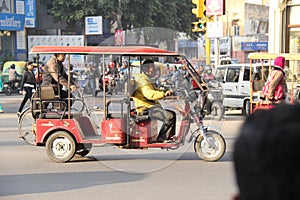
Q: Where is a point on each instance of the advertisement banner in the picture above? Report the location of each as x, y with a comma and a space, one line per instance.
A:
119, 37
30, 13
214, 29
254, 46
57, 40
12, 22
93, 25
215, 7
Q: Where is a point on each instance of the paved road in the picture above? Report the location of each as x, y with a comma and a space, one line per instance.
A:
112, 173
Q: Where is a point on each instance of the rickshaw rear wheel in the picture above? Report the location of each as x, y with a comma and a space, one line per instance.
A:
210, 149
26, 126
61, 147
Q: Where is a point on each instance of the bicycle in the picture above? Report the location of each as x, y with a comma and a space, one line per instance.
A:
26, 121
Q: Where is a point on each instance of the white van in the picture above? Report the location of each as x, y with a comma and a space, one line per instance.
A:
235, 81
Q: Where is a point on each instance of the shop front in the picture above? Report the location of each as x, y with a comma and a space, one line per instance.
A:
293, 35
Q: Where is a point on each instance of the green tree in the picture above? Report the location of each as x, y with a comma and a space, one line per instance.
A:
128, 14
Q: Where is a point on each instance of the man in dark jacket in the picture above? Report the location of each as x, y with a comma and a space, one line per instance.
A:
28, 85
56, 76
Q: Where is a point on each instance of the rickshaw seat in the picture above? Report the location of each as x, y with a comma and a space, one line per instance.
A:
258, 85
60, 115
139, 117
115, 115
46, 97
132, 87
47, 93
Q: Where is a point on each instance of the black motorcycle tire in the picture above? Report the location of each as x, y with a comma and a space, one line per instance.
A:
8, 91
214, 150
217, 110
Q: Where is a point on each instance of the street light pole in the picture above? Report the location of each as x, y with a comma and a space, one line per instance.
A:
217, 46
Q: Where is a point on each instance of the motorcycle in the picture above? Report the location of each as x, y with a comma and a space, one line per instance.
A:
10, 87
120, 82
110, 81
214, 106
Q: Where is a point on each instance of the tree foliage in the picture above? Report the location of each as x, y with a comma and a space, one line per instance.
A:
128, 14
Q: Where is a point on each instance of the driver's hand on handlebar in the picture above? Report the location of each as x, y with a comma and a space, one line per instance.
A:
73, 88
168, 93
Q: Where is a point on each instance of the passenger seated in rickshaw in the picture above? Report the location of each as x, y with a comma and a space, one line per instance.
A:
146, 97
55, 75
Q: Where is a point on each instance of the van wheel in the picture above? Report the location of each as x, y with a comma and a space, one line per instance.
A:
246, 108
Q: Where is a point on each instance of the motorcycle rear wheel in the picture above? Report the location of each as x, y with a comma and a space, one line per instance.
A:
217, 110
8, 91
210, 149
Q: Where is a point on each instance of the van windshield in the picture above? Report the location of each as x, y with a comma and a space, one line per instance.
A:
220, 74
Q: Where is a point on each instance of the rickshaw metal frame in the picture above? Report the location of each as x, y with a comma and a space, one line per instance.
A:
129, 51
290, 57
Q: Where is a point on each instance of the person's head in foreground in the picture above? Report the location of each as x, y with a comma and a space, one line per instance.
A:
266, 155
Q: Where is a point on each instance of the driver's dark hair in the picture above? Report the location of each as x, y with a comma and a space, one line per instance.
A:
56, 54
266, 155
148, 62
145, 65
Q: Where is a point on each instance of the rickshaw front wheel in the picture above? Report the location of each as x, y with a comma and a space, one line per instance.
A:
211, 148
61, 147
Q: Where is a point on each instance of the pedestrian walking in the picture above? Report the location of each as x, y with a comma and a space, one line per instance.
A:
28, 85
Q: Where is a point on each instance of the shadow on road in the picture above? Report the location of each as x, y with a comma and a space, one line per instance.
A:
48, 182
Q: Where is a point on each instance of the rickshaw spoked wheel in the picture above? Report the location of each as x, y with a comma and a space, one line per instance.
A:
26, 126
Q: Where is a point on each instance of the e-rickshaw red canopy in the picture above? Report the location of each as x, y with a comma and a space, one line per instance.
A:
109, 50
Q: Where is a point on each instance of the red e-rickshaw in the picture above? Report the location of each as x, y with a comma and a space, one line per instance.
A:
67, 133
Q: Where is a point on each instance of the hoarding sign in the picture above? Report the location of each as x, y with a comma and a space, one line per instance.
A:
11, 22
93, 25
254, 46
30, 14
215, 7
